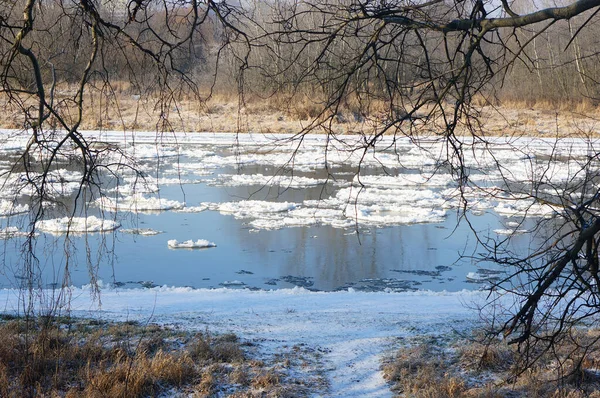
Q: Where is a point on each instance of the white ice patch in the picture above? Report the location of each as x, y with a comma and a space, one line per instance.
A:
190, 244
150, 151
12, 232
510, 231
250, 208
141, 231
9, 208
525, 208
237, 180
77, 225
138, 203
404, 180
56, 183
192, 209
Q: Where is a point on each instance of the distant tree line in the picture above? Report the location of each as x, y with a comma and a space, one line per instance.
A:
554, 64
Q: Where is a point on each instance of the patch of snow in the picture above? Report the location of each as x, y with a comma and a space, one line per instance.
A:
353, 330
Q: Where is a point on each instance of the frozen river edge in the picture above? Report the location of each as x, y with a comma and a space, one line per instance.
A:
353, 330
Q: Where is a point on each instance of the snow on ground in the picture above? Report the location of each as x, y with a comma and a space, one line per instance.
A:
77, 225
354, 330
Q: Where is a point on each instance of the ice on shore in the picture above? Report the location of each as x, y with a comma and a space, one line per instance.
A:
138, 203
190, 244
343, 326
77, 225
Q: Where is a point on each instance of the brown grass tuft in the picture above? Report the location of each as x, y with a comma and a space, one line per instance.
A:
78, 358
472, 369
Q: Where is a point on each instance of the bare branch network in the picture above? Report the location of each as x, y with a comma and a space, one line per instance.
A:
418, 69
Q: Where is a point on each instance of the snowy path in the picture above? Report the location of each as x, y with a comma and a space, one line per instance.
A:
352, 330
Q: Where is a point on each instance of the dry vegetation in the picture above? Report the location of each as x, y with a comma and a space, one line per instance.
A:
88, 358
123, 110
471, 369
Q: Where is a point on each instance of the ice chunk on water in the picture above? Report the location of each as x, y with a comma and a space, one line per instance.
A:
192, 209
404, 180
525, 208
510, 231
250, 208
138, 203
11, 232
285, 181
190, 244
9, 208
77, 225
141, 231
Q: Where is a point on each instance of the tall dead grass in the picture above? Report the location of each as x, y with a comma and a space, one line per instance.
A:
67, 358
471, 369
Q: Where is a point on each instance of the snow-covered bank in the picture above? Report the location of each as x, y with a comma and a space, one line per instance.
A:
352, 329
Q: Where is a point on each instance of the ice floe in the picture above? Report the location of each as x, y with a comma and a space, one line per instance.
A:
138, 203
190, 244
285, 181
404, 180
192, 209
140, 231
250, 208
12, 232
510, 231
9, 208
525, 207
77, 225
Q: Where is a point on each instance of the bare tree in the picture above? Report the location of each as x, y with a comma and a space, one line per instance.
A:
430, 66
416, 69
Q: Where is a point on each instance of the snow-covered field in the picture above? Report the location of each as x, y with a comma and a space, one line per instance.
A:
352, 330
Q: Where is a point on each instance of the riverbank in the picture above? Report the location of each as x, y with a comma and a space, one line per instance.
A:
287, 343
227, 114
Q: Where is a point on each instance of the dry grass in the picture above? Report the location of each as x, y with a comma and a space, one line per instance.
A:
79, 358
121, 108
471, 369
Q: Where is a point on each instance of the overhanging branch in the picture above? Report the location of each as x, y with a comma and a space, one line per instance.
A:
487, 24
